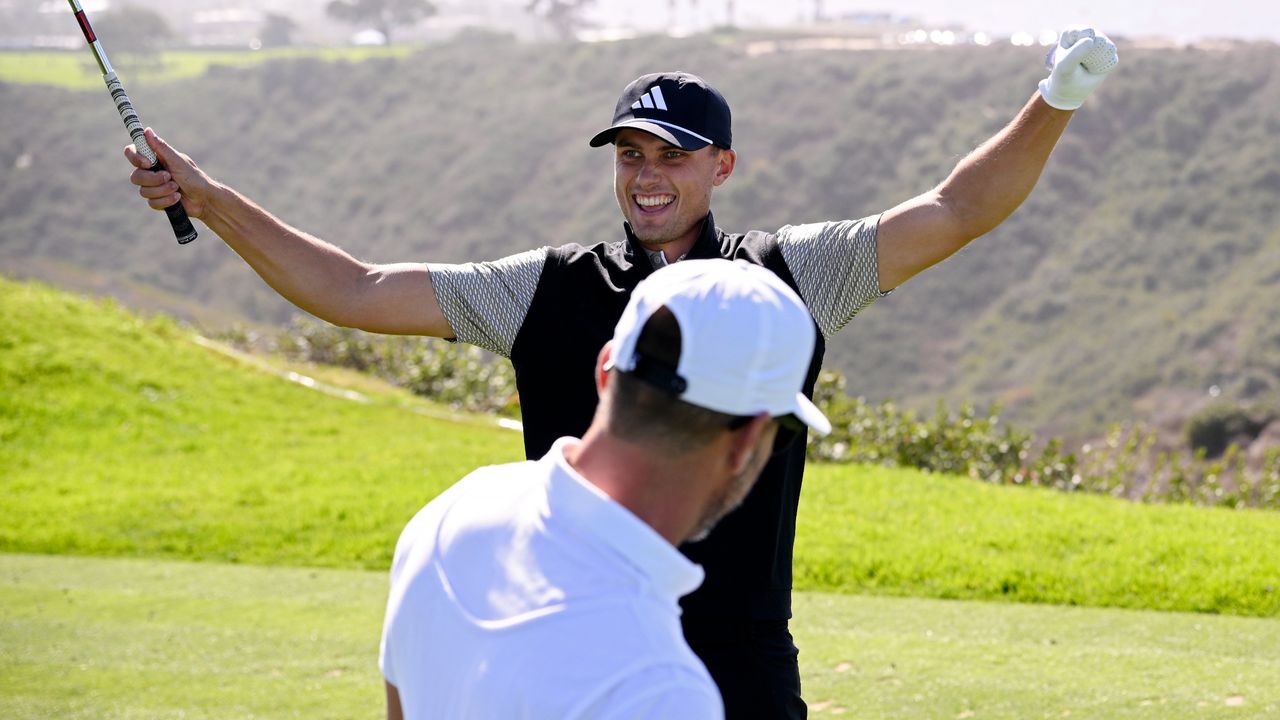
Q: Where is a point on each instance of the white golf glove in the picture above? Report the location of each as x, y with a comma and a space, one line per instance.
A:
1078, 63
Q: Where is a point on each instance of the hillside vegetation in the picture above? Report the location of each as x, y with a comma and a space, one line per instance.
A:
1141, 273
124, 437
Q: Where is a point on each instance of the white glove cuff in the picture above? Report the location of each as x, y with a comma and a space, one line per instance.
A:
1055, 100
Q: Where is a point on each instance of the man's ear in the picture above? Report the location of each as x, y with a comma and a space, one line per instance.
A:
724, 167
744, 441
602, 361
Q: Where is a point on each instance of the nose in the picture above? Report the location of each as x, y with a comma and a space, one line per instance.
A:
648, 174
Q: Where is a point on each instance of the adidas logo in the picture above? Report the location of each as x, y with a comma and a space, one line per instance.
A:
652, 99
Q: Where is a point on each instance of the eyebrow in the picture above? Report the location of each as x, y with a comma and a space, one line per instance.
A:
636, 145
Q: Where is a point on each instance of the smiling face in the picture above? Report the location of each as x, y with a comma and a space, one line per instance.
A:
663, 190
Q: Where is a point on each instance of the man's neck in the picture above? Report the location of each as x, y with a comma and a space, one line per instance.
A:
667, 496
675, 250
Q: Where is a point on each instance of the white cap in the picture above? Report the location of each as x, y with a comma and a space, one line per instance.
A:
746, 339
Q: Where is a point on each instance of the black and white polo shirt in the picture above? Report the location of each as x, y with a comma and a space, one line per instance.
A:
550, 311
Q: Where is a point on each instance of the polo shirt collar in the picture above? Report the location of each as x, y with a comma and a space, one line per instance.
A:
587, 506
706, 246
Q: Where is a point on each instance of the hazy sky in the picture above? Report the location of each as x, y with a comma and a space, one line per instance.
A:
1186, 20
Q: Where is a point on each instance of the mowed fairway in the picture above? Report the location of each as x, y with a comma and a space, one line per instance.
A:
124, 439
119, 638
77, 70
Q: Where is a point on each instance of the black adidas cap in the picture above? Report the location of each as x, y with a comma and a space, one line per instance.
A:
677, 107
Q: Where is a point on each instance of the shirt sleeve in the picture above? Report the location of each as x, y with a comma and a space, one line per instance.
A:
835, 268
486, 302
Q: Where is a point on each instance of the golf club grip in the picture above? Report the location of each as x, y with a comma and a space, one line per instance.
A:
182, 227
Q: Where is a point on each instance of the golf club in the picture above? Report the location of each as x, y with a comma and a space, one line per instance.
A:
182, 227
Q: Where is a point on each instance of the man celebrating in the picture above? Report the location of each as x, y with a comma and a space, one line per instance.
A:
549, 589
550, 310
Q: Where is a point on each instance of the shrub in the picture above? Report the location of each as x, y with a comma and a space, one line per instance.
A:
1217, 425
461, 376
964, 442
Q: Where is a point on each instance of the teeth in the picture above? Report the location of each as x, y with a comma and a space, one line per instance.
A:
655, 200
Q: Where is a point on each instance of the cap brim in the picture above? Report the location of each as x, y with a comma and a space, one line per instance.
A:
810, 415
673, 134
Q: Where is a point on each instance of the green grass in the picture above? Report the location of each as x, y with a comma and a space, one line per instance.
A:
122, 436
110, 638
904, 532
89, 638
916, 658
76, 70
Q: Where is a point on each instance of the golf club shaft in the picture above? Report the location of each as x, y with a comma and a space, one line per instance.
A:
182, 227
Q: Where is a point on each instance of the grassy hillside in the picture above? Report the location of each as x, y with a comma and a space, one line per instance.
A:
123, 436
1140, 273
893, 532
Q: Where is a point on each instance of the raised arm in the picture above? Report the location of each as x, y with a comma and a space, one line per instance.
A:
988, 185
316, 276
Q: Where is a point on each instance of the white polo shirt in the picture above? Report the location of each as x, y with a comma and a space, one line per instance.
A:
524, 591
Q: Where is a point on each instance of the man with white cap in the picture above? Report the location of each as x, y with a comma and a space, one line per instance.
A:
549, 588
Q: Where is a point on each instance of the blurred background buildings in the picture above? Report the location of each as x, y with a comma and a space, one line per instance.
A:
242, 24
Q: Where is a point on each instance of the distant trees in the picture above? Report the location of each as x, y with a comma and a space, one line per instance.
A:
277, 30
134, 29
564, 16
381, 14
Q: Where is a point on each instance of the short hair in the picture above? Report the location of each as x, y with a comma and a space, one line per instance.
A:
640, 411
